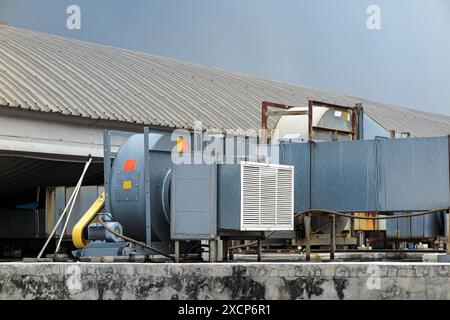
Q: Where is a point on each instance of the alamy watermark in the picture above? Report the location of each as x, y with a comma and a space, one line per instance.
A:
374, 20
73, 21
73, 278
374, 280
222, 146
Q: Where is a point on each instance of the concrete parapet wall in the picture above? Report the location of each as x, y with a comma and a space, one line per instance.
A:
343, 280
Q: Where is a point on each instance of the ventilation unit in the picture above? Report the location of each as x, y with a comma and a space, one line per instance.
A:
267, 193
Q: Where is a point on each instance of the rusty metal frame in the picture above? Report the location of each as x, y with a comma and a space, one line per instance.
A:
354, 112
336, 107
265, 113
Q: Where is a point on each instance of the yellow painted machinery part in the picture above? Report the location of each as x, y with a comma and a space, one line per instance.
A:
77, 232
365, 225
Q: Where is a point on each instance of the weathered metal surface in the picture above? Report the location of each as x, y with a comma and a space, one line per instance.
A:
413, 174
51, 74
317, 239
56, 200
193, 208
415, 227
383, 175
229, 197
298, 155
343, 176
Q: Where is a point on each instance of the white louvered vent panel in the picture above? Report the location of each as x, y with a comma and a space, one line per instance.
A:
267, 197
250, 192
285, 197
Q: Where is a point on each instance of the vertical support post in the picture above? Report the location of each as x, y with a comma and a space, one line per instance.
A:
219, 249
354, 130
107, 168
448, 211
307, 222
177, 251
310, 120
36, 212
148, 216
360, 120
225, 244
212, 250
447, 245
259, 249
333, 237
264, 107
231, 252
352, 226
392, 134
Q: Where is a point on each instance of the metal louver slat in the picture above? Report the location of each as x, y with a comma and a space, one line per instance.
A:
267, 193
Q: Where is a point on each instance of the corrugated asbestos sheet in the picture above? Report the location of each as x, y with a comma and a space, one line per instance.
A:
53, 74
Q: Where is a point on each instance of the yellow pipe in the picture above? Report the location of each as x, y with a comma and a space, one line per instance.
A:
77, 232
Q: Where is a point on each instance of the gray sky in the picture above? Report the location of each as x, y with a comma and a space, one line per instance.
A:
322, 43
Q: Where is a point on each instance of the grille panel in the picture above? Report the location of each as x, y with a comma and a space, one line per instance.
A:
266, 197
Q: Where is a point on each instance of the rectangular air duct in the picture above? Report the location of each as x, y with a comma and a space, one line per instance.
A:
215, 199
381, 175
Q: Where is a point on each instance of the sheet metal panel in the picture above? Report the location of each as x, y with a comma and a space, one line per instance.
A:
229, 196
86, 197
194, 199
392, 228
413, 174
56, 200
297, 155
415, 227
432, 225
343, 176
385, 175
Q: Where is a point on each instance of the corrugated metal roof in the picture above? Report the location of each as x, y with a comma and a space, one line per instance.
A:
53, 74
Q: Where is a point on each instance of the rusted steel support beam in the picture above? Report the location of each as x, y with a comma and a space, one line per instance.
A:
331, 106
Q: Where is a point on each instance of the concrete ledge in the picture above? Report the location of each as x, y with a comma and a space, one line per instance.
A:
343, 280
368, 256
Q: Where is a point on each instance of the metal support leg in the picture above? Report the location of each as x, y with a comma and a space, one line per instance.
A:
307, 222
447, 246
212, 251
230, 253
107, 168
219, 247
446, 257
148, 213
333, 237
352, 227
225, 244
259, 249
177, 251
